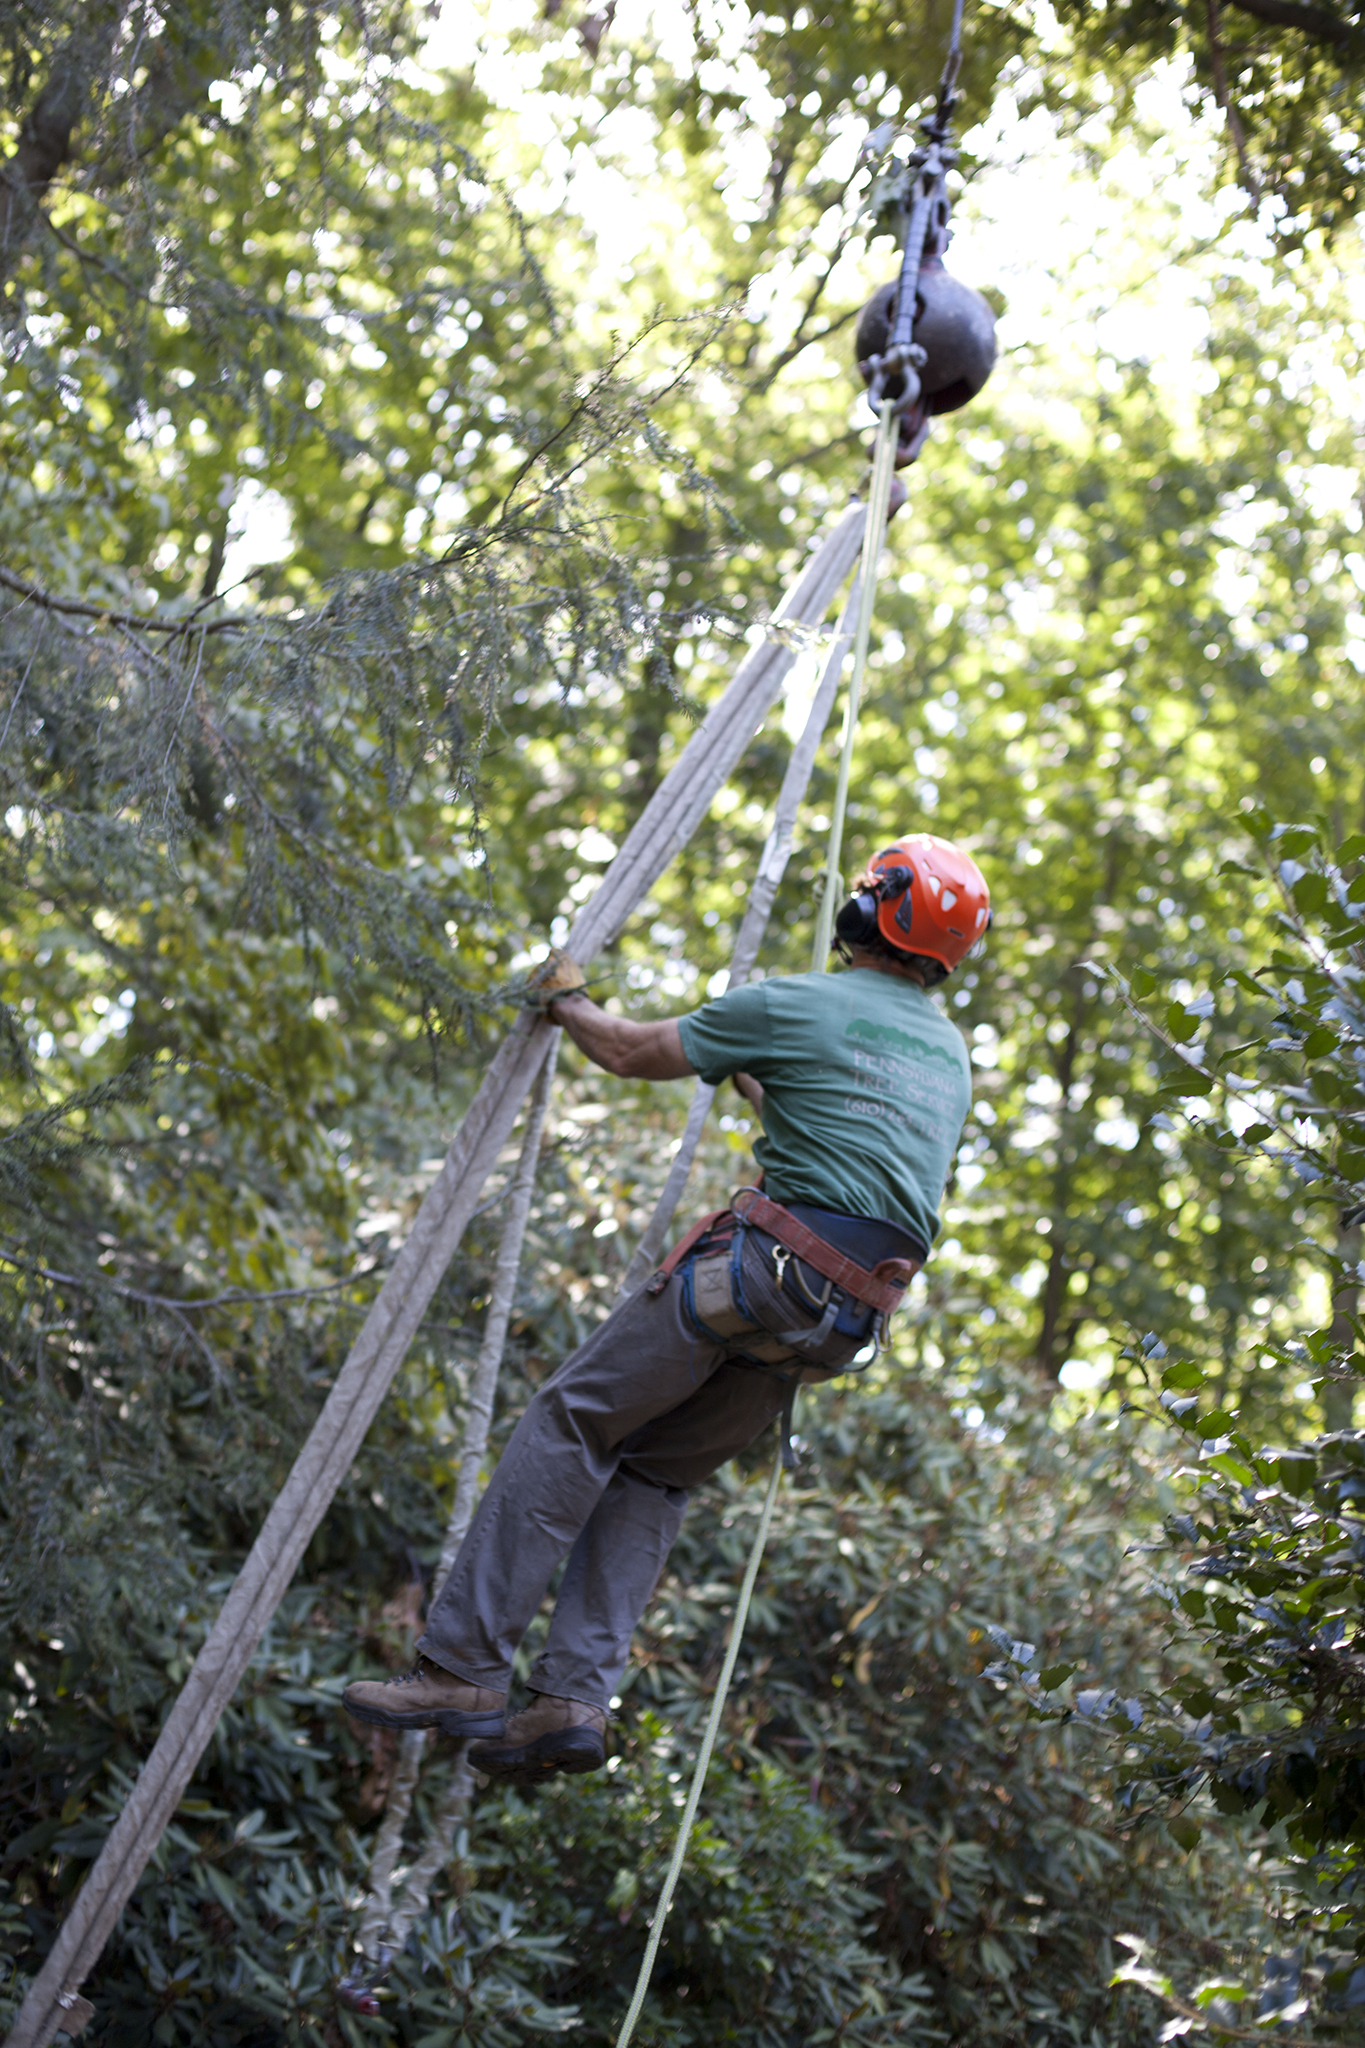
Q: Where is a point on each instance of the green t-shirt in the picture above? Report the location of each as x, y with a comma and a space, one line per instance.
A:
866, 1087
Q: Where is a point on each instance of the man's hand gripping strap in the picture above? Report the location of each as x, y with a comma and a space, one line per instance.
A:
558, 974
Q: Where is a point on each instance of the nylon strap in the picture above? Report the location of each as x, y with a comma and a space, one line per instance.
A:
680, 1250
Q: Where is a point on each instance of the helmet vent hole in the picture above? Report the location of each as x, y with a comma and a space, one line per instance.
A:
948, 898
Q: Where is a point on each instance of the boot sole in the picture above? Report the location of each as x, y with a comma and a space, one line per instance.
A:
572, 1750
464, 1727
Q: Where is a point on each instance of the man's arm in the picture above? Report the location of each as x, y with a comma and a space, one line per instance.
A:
638, 1052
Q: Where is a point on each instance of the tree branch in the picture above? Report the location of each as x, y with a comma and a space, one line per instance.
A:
1225, 100
34, 593
178, 70
1319, 24
234, 1297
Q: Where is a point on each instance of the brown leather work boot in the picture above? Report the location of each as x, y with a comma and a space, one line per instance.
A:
550, 1735
427, 1697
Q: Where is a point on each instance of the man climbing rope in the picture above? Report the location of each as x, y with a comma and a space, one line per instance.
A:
862, 1086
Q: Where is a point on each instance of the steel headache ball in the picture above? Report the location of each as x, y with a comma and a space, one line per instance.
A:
954, 326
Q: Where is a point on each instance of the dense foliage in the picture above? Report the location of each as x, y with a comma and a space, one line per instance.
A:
1268, 1572
361, 583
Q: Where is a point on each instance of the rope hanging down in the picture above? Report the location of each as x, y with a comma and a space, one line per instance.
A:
708, 1743
384, 1923
899, 366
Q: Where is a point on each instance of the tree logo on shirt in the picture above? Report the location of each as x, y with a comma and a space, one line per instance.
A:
869, 1033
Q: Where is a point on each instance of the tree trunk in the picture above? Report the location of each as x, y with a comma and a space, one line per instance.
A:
177, 71
44, 146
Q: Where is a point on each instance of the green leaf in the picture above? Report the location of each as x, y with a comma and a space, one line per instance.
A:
1216, 1422
1142, 982
1220, 1987
1292, 840
1310, 894
1055, 1675
1148, 1980
1298, 1472
1183, 1375
1232, 1468
1185, 1831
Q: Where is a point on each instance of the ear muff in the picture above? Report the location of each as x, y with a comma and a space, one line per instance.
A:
856, 923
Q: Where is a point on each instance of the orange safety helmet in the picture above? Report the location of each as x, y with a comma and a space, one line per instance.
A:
922, 895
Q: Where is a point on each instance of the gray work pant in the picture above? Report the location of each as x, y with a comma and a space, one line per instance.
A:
599, 1469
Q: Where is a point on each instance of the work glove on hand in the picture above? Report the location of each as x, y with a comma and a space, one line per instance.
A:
558, 974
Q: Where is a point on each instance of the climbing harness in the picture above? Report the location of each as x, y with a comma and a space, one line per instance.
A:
856, 1300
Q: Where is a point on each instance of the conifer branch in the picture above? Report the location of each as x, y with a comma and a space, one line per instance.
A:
233, 1297
109, 615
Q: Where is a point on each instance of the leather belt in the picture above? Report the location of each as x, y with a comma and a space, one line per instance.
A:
880, 1287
